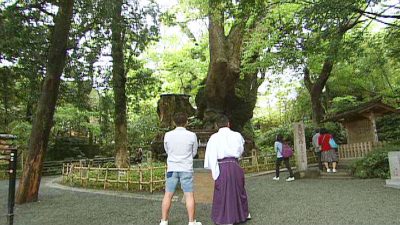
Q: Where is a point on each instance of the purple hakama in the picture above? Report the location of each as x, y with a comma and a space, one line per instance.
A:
230, 199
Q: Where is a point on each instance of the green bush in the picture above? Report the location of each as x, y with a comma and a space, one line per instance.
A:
375, 164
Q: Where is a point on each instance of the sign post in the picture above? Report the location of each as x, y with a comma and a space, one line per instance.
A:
10, 154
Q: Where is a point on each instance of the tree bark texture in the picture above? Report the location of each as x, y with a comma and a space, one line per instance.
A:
119, 83
223, 78
30, 181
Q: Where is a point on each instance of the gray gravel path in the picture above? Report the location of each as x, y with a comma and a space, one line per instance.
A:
307, 201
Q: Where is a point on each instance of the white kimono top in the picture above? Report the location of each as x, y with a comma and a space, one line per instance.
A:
224, 143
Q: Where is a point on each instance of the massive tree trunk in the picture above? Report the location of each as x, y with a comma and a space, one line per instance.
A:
30, 181
119, 81
219, 96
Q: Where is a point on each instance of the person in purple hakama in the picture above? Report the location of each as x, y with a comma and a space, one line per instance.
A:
223, 149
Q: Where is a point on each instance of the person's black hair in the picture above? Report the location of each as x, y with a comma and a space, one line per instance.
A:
180, 119
222, 121
279, 138
323, 131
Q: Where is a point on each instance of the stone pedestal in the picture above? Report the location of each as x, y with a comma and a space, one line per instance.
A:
394, 164
300, 146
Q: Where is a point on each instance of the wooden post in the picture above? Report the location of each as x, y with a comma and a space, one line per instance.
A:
140, 179
80, 174
98, 175
105, 178
72, 173
127, 178
151, 178
88, 175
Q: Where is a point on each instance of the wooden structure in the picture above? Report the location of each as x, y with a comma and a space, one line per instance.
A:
360, 121
169, 104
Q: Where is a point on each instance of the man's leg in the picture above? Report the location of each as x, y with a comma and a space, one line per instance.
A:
186, 179
319, 160
190, 205
170, 186
289, 168
166, 205
277, 165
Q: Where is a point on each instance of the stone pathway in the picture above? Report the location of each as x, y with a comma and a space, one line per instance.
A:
302, 202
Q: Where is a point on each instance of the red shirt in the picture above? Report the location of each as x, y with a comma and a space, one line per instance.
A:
323, 141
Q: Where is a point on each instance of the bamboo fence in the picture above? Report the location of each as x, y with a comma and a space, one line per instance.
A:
140, 178
149, 178
357, 150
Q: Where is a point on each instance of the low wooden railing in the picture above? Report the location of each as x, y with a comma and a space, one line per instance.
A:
357, 150
259, 163
142, 178
150, 177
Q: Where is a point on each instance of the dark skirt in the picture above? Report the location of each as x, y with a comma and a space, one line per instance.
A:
230, 198
329, 156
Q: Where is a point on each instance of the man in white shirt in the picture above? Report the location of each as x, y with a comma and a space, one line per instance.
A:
222, 153
317, 147
180, 146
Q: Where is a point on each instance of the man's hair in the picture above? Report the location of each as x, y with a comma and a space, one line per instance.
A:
180, 119
222, 121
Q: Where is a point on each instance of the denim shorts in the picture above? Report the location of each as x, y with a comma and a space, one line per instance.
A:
185, 178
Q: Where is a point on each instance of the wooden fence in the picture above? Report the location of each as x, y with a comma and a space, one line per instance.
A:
142, 178
259, 163
55, 167
151, 177
357, 150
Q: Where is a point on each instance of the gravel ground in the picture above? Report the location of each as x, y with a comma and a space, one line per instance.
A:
306, 201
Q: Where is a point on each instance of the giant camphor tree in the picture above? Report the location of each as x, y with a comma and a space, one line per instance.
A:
228, 89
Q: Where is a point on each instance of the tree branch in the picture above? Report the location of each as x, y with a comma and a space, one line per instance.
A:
307, 79
377, 14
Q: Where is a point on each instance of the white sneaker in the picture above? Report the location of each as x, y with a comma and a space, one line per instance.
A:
275, 178
194, 223
290, 179
334, 170
329, 171
164, 222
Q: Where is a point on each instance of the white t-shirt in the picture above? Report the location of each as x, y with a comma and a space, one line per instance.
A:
278, 146
181, 146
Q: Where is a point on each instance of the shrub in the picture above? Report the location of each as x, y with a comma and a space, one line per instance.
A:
375, 164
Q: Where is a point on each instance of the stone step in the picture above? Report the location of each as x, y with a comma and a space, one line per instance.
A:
338, 175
